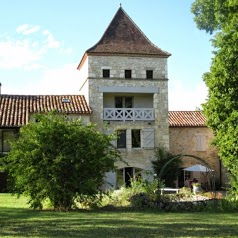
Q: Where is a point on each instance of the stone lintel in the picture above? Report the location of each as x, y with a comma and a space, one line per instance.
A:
125, 89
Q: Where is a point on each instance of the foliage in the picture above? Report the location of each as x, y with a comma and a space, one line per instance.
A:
140, 194
59, 159
214, 15
2, 161
170, 172
196, 184
221, 108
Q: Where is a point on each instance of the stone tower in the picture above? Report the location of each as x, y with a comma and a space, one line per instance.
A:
125, 82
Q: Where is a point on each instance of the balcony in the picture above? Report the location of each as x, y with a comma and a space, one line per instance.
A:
128, 114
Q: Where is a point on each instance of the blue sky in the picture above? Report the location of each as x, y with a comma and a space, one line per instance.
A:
42, 42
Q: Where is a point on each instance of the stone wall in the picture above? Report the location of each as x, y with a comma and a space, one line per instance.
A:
117, 65
140, 158
183, 140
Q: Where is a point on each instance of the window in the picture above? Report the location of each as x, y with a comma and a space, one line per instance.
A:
149, 74
123, 102
121, 139
5, 138
106, 73
128, 74
136, 138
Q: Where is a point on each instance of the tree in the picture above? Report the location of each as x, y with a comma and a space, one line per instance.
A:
221, 109
170, 172
59, 159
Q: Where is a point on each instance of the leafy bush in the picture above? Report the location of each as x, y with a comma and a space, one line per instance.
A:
140, 194
61, 160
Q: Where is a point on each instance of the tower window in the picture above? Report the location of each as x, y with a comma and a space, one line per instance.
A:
136, 138
128, 74
106, 73
121, 139
149, 74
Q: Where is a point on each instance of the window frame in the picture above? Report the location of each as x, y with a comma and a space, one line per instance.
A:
106, 73
6, 136
135, 138
149, 74
121, 140
123, 101
128, 73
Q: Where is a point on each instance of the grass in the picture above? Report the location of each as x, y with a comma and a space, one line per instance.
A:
17, 220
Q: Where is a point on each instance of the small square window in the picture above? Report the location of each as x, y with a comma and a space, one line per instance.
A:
149, 74
128, 74
136, 138
121, 139
106, 73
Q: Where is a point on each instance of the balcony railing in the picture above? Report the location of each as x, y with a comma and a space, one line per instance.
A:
128, 114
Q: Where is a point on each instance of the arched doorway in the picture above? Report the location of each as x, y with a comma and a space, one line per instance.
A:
124, 175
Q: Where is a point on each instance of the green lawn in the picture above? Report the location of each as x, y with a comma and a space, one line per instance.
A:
16, 220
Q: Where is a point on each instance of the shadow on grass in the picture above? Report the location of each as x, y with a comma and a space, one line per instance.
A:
27, 223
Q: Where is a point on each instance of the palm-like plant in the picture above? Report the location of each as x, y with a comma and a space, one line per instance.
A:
171, 171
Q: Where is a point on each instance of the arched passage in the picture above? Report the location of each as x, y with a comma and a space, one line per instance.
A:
211, 174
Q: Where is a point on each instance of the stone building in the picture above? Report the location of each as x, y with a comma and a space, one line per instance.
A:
18, 110
124, 77
123, 83
189, 135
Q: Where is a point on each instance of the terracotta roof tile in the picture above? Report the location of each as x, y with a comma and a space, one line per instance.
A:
15, 109
186, 118
123, 36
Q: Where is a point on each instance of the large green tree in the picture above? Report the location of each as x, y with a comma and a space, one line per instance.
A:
220, 18
59, 159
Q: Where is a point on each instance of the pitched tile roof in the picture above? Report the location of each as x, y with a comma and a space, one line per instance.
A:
15, 109
123, 36
186, 119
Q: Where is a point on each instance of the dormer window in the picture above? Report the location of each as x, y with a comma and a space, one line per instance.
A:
65, 100
128, 74
149, 74
106, 73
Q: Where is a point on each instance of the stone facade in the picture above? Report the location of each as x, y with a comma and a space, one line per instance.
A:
196, 141
146, 93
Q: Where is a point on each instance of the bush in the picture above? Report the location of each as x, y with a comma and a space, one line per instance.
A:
61, 160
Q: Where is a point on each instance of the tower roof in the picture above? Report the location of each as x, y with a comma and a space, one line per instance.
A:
124, 37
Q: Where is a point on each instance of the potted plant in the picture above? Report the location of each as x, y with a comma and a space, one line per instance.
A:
196, 187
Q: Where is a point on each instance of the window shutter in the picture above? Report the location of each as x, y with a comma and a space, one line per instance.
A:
109, 132
200, 143
148, 138
111, 180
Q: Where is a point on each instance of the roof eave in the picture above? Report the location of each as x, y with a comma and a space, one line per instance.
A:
82, 60
129, 54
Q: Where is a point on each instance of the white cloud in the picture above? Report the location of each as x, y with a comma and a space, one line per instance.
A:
182, 98
18, 54
51, 41
63, 80
27, 51
27, 29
